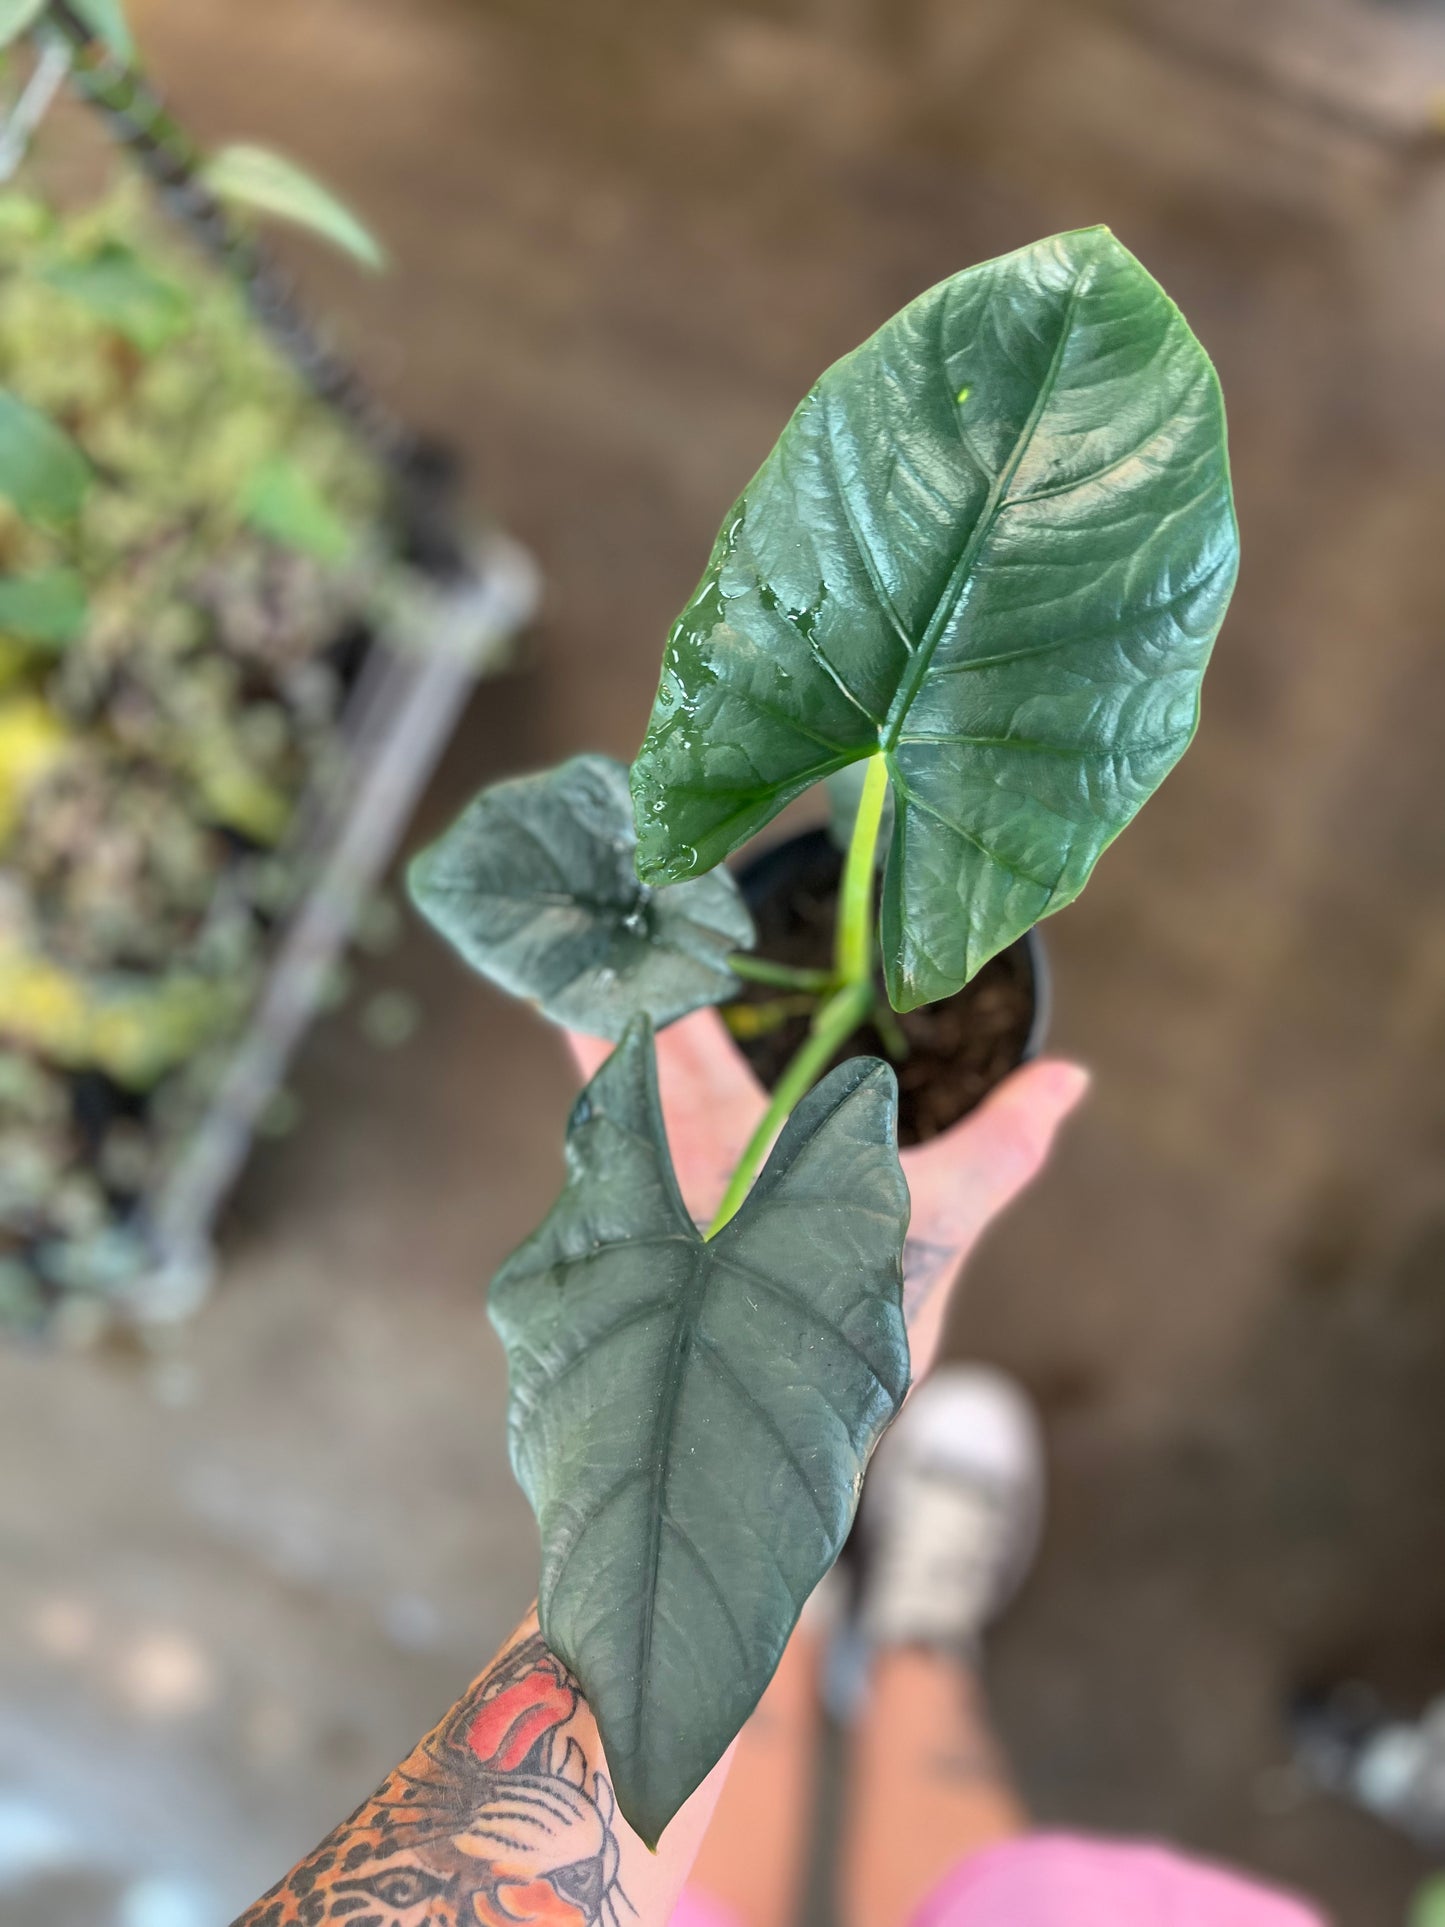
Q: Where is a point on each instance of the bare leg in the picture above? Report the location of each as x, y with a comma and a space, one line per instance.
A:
927, 1786
754, 1856
951, 1514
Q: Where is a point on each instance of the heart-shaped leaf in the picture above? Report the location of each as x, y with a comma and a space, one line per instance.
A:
41, 470
994, 543
536, 885
691, 1419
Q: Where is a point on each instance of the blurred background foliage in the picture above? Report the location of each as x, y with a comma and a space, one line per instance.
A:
192, 554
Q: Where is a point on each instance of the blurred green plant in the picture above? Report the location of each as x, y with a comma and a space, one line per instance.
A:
244, 175
185, 534
17, 17
267, 183
108, 19
43, 475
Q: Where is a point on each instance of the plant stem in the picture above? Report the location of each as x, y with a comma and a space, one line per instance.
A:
886, 1023
756, 1020
761, 970
833, 1025
851, 988
854, 953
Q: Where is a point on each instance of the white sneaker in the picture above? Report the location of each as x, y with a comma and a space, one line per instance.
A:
952, 1511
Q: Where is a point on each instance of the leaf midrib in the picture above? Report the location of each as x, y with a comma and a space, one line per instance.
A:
947, 603
691, 1296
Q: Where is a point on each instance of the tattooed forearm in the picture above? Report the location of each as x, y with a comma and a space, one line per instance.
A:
497, 1819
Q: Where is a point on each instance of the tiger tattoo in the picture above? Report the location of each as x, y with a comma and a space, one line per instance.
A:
493, 1821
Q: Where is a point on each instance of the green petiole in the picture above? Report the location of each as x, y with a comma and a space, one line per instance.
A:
854, 952
759, 970
851, 999
885, 1022
833, 1025
756, 1020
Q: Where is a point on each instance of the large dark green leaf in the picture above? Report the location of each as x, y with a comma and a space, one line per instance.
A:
691, 1420
995, 543
536, 885
41, 470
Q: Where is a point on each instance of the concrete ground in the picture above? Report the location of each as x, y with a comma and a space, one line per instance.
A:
238, 1577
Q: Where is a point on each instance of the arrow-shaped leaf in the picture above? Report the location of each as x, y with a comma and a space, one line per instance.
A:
691, 1420
994, 543
536, 885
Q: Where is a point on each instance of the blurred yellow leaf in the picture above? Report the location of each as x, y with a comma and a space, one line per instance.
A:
133, 1029
31, 742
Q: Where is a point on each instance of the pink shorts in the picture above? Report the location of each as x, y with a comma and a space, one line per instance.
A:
1060, 1880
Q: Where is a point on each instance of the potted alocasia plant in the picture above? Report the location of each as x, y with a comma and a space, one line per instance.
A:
983, 569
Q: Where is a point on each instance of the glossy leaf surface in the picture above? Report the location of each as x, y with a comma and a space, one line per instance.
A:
995, 542
268, 183
536, 885
691, 1420
41, 470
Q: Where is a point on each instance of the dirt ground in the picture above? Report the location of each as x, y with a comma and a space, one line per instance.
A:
239, 1576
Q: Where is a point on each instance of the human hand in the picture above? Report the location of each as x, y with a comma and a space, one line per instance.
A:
959, 1182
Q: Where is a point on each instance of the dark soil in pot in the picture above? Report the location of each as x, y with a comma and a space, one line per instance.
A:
958, 1050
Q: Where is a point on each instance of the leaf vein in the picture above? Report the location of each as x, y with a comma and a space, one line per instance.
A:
760, 1411
957, 582
863, 548
809, 1313
690, 1546
928, 809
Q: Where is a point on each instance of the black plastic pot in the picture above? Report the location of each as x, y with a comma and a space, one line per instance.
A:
811, 864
